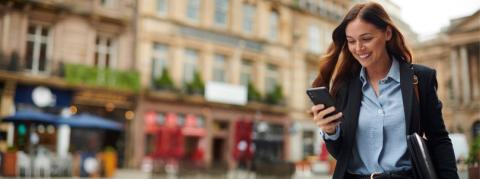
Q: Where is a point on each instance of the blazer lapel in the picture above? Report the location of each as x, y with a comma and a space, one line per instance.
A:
353, 109
349, 124
406, 79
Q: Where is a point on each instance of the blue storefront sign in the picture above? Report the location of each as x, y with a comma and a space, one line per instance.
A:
41, 96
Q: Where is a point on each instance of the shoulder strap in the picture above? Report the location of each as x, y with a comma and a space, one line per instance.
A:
415, 86
417, 96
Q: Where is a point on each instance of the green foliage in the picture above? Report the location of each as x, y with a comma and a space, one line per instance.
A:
253, 94
296, 3
115, 79
109, 149
11, 149
196, 86
165, 82
276, 96
473, 155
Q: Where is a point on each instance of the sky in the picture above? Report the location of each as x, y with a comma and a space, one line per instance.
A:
427, 17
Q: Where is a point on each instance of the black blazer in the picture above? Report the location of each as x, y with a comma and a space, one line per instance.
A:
348, 100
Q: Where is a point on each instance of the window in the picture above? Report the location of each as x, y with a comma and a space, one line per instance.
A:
104, 52
308, 143
190, 64
107, 3
273, 29
221, 12
248, 18
159, 60
314, 39
162, 7
271, 78
219, 68
246, 72
37, 48
193, 10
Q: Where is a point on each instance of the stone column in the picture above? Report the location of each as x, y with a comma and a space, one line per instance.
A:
455, 77
475, 73
465, 75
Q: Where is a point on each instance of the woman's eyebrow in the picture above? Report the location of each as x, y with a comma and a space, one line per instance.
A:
364, 34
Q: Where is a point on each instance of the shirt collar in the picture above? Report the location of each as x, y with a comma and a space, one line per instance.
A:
393, 73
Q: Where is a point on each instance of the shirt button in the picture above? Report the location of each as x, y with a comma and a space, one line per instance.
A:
380, 111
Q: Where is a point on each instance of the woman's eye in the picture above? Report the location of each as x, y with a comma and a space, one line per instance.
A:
367, 39
350, 41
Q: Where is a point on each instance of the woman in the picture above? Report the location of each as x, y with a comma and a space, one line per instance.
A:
368, 70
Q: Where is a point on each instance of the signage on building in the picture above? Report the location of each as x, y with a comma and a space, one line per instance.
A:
42, 96
226, 93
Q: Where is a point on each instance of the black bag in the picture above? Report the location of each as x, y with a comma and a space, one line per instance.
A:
421, 161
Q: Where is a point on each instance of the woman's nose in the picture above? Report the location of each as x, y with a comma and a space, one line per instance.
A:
359, 47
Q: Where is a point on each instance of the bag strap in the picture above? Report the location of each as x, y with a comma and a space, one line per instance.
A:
417, 96
415, 86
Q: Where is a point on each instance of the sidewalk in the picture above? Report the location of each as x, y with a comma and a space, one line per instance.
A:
233, 174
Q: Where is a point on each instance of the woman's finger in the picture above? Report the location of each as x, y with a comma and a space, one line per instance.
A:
325, 112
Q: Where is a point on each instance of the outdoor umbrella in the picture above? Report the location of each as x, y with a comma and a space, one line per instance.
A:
31, 116
91, 121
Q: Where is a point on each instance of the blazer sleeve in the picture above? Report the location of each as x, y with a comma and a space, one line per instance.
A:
439, 144
334, 146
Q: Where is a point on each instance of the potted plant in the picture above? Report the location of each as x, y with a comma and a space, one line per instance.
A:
473, 160
109, 161
10, 162
165, 82
253, 94
196, 86
276, 96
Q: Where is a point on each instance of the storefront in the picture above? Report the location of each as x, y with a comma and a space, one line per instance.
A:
48, 100
209, 133
116, 106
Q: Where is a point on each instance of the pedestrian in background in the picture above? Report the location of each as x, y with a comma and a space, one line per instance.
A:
368, 70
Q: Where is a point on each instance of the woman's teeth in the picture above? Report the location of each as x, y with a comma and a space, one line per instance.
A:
364, 55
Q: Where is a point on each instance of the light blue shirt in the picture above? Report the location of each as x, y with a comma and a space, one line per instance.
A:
381, 144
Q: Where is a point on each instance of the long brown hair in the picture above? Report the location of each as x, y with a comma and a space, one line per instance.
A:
338, 65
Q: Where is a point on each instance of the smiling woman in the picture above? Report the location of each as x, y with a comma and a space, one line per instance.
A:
368, 69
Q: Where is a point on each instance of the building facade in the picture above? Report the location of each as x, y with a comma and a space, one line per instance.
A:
213, 42
455, 54
75, 53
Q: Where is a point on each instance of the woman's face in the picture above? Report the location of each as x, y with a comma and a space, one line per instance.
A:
366, 42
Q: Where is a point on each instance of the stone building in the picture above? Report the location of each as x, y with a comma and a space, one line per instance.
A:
76, 54
455, 54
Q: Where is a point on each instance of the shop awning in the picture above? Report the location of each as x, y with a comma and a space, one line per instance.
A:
91, 121
30, 116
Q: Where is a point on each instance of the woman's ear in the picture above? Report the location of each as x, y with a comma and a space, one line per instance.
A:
388, 33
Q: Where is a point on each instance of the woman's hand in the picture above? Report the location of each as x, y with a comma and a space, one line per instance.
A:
325, 122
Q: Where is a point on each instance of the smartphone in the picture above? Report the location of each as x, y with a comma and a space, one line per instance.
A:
320, 95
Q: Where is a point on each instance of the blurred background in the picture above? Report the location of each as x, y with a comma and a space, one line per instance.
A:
197, 88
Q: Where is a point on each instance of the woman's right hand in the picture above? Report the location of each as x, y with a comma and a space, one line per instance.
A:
326, 124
